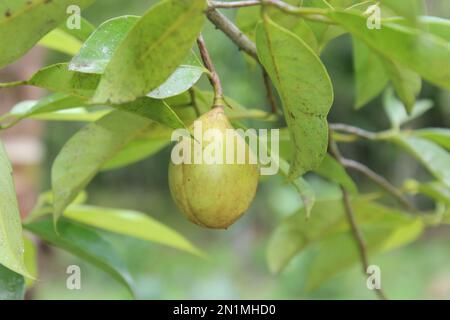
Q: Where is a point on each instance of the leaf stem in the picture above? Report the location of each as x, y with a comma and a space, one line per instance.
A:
13, 84
357, 233
213, 76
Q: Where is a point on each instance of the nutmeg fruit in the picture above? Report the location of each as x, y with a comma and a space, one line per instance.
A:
214, 194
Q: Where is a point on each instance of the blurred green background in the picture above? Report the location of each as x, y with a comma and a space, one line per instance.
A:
236, 266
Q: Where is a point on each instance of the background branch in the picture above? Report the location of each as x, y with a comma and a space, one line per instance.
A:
379, 180
357, 234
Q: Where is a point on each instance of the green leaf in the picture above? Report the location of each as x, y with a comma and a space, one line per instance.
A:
414, 49
304, 189
335, 172
89, 150
130, 223
61, 41
149, 143
11, 242
410, 9
153, 49
339, 251
24, 22
407, 84
396, 110
305, 89
370, 76
431, 155
59, 78
329, 235
12, 285
102, 44
30, 258
440, 136
86, 243
157, 110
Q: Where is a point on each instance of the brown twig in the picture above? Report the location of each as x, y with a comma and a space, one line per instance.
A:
232, 31
379, 180
213, 76
357, 234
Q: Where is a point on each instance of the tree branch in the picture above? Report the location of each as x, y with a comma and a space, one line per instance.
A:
233, 4
212, 75
379, 180
232, 31
357, 234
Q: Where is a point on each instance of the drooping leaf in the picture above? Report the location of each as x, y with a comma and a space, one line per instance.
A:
431, 155
130, 223
333, 171
396, 110
23, 23
86, 243
305, 89
440, 136
12, 285
412, 48
370, 76
59, 78
89, 150
407, 83
152, 50
11, 242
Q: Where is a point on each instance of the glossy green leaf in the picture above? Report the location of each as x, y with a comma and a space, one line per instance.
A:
130, 223
332, 170
98, 49
440, 136
305, 89
411, 48
86, 243
396, 110
89, 150
59, 78
370, 76
153, 49
431, 155
12, 285
11, 242
23, 23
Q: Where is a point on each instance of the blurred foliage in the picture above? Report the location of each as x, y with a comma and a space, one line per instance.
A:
236, 265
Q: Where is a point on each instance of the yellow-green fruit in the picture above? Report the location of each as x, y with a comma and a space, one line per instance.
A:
214, 195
